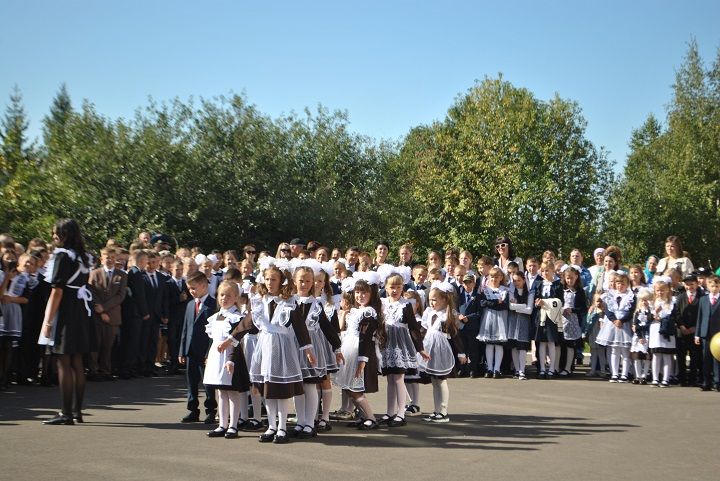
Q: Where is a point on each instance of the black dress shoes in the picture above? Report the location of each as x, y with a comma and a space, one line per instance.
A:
60, 419
268, 436
210, 418
191, 417
281, 437
78, 417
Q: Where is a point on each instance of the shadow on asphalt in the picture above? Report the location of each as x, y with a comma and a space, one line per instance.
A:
479, 431
22, 403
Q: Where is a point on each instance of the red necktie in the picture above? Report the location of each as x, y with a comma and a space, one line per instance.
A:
197, 306
713, 300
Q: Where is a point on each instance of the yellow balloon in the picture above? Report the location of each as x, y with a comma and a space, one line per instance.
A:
715, 346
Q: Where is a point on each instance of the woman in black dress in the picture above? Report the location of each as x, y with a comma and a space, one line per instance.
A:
67, 322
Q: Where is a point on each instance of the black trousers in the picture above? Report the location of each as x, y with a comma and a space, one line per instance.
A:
686, 346
710, 366
149, 334
472, 351
174, 333
130, 344
194, 376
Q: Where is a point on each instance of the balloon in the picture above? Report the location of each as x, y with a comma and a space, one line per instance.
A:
715, 346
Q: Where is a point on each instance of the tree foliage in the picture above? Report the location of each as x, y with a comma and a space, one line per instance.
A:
503, 163
671, 183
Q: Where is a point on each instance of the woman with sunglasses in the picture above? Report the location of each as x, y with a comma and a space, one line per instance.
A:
506, 254
283, 251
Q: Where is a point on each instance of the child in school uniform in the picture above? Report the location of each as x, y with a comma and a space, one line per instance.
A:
521, 306
413, 381
325, 345
330, 303
441, 334
226, 371
494, 320
662, 343
359, 375
546, 331
400, 344
642, 319
598, 358
574, 309
616, 330
276, 364
708, 325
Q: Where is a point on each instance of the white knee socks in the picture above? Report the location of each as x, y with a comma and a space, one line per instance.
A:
283, 408
311, 404
519, 357
327, 396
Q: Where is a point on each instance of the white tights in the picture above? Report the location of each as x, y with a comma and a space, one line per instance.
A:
519, 359
441, 395
642, 366
277, 410
396, 395
616, 353
229, 405
598, 357
664, 362
546, 349
413, 391
494, 351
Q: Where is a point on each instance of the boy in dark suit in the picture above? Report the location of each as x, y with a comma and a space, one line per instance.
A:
176, 298
688, 303
155, 299
134, 312
708, 324
468, 306
194, 345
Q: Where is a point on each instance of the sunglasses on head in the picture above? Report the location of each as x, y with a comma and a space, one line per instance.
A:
501, 245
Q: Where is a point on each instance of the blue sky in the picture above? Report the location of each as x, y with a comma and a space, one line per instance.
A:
391, 64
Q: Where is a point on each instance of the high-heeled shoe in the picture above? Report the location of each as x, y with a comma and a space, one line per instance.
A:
60, 419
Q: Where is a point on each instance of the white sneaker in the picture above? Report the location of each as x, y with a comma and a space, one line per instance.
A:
521, 376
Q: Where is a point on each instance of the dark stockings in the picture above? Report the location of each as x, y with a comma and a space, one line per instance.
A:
71, 373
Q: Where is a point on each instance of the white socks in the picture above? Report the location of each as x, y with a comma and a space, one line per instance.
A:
243, 401
327, 396
396, 395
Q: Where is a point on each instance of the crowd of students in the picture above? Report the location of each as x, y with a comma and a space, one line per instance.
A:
257, 329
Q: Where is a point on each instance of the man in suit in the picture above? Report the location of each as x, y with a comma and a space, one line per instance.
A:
134, 312
108, 286
176, 299
687, 304
150, 328
708, 324
194, 345
469, 308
